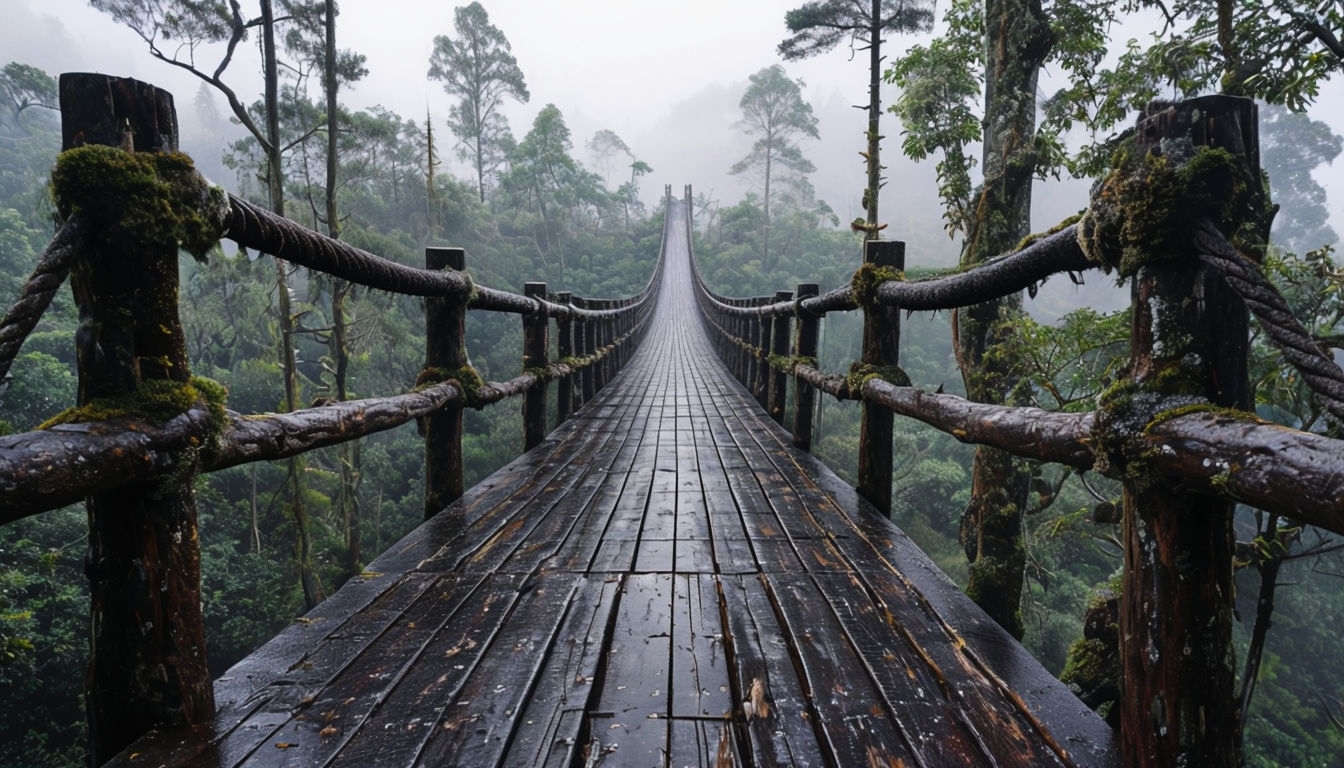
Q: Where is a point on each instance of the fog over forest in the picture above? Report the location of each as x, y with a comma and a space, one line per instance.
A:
667, 78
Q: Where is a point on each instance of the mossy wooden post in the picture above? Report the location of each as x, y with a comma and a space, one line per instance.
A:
564, 328
760, 359
147, 661
805, 348
779, 347
445, 352
1189, 338
881, 350
536, 351
588, 345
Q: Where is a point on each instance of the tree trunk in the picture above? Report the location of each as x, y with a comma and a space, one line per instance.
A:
1018, 38
275, 184
874, 117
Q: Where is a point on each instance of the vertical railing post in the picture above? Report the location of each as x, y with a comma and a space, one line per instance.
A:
589, 345
564, 327
779, 347
805, 347
536, 351
761, 380
1179, 705
881, 351
147, 659
445, 356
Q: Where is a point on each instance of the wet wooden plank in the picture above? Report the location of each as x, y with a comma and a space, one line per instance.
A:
330, 693
700, 685
699, 742
770, 699
549, 725
633, 702
480, 719
855, 723
408, 712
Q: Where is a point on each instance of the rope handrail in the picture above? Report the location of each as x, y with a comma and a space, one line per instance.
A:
1322, 375
252, 226
48, 276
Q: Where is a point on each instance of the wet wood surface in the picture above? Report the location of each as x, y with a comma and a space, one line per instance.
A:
663, 581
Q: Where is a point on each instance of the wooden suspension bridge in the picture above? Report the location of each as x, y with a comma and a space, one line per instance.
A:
665, 579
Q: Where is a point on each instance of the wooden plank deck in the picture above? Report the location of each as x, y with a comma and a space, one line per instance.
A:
664, 581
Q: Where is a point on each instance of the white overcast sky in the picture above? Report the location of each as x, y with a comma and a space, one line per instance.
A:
626, 65
614, 63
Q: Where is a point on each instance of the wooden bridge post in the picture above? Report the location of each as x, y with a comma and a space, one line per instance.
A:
760, 358
604, 338
564, 328
587, 346
1189, 337
147, 660
779, 347
805, 346
445, 352
536, 351
881, 350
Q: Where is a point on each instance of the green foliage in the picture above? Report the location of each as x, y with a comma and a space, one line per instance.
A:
479, 68
818, 26
43, 625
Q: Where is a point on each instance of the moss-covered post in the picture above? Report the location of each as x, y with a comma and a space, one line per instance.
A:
760, 359
1189, 343
588, 345
445, 354
564, 347
779, 347
881, 350
805, 348
536, 351
147, 661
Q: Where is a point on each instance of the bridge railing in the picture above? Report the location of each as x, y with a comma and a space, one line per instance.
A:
145, 427
1177, 431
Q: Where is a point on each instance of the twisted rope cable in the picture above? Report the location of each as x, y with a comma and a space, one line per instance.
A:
1286, 333
47, 278
262, 230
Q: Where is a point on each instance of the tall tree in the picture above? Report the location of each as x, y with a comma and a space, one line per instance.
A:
996, 48
820, 25
773, 109
479, 68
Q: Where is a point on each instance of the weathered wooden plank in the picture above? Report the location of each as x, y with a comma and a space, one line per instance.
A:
856, 726
408, 711
700, 685
328, 695
480, 719
915, 689
550, 722
699, 742
633, 702
770, 699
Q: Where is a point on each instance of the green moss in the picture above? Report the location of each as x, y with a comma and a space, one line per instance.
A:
860, 373
137, 201
866, 280
1035, 236
467, 380
157, 401
787, 363
1140, 212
